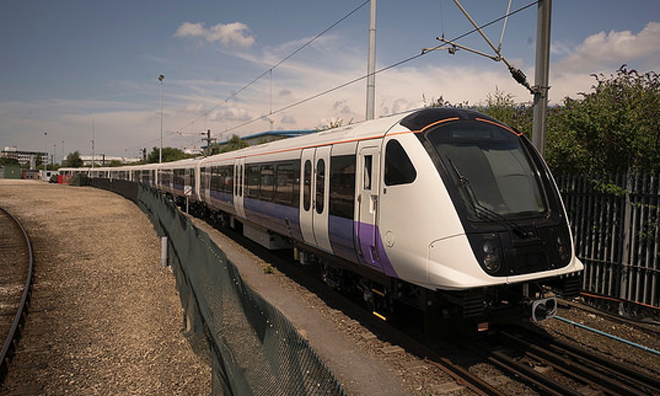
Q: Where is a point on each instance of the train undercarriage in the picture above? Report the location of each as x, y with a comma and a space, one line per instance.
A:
475, 309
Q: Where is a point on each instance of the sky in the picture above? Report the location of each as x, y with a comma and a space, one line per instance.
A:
77, 72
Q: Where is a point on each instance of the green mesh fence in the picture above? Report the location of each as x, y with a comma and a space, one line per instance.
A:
252, 347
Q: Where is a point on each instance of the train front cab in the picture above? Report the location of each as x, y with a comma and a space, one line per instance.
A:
516, 241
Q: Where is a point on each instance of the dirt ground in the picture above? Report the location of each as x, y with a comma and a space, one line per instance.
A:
105, 318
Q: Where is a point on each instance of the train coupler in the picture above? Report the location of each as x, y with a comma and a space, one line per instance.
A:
541, 309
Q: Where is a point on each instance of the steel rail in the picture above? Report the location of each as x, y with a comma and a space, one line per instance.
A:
611, 377
14, 332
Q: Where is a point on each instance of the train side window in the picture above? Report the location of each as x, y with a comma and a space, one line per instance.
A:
320, 185
227, 180
214, 179
398, 167
368, 162
284, 183
307, 186
252, 176
267, 184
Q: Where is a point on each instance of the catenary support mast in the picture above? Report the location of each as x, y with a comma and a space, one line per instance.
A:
541, 74
371, 64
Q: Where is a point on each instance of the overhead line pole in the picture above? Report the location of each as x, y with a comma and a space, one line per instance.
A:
542, 72
371, 65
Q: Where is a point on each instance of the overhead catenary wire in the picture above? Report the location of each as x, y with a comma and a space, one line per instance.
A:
424, 51
392, 66
286, 58
269, 72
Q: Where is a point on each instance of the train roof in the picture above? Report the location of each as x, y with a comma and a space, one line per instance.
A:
344, 134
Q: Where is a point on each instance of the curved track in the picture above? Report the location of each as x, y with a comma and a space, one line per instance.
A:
16, 264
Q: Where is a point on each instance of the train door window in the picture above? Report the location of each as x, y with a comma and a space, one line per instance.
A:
342, 186
238, 179
241, 178
267, 185
320, 185
307, 186
398, 167
368, 163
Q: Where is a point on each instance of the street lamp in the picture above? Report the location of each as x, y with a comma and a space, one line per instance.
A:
160, 152
45, 151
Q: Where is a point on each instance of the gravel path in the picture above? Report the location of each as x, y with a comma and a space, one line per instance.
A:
105, 318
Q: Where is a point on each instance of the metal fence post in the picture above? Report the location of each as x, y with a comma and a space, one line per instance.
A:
163, 252
626, 235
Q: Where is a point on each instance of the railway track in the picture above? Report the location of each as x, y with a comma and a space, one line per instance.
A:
557, 368
540, 363
16, 265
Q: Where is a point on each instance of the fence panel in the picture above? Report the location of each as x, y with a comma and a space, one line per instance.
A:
252, 348
615, 223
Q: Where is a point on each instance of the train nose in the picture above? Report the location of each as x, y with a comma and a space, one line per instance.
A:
544, 308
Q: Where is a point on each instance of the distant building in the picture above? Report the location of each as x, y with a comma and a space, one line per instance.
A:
25, 157
193, 151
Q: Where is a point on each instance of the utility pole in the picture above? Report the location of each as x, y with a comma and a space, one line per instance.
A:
46, 151
542, 71
93, 152
209, 140
371, 64
160, 152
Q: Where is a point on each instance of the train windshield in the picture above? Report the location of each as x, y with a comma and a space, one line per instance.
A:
491, 169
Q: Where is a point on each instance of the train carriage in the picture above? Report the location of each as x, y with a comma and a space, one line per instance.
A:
179, 179
65, 174
444, 209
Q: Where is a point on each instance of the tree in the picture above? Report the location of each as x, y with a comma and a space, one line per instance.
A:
502, 107
169, 154
613, 128
235, 143
73, 160
8, 161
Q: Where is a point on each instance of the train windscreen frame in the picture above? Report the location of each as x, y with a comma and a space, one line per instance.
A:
491, 168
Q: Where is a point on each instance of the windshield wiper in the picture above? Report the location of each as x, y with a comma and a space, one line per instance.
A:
482, 211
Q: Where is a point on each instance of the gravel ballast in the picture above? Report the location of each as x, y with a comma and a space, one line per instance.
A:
105, 318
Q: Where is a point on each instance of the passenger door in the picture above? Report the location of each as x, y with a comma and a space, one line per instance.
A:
368, 179
239, 187
314, 197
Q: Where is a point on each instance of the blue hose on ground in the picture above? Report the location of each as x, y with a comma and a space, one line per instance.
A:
608, 335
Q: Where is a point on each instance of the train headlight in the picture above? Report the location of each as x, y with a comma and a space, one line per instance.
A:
491, 258
563, 249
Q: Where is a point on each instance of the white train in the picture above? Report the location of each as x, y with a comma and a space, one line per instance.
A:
444, 209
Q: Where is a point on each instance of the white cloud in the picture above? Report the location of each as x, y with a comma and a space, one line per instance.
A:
607, 51
235, 34
287, 119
